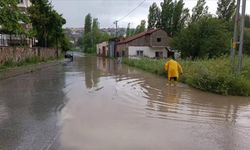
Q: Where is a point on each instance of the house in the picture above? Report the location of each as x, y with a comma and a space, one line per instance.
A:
151, 43
23, 5
7, 39
102, 49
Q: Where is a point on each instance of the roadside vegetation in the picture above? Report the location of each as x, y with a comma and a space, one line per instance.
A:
92, 35
204, 41
30, 61
214, 75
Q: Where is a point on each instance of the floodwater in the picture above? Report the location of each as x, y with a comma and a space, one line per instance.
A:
96, 104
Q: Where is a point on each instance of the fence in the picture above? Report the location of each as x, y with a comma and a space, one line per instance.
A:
15, 40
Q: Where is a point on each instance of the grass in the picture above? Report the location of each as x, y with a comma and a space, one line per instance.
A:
214, 75
30, 61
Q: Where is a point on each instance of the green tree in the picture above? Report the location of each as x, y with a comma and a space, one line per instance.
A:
247, 21
128, 31
180, 16
95, 32
65, 43
47, 23
88, 23
141, 28
208, 37
174, 16
199, 11
104, 37
247, 41
11, 18
226, 9
88, 37
154, 16
167, 7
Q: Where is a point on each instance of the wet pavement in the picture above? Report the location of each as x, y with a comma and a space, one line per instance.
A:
97, 104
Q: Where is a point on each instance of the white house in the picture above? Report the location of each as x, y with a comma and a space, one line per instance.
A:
151, 43
102, 49
24, 4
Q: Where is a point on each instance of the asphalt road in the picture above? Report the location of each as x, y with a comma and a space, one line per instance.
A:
96, 104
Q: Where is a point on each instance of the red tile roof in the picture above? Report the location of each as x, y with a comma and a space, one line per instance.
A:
134, 37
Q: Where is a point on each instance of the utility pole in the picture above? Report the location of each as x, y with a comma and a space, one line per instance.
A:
235, 40
116, 26
241, 36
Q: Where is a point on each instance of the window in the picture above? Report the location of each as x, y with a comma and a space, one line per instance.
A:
158, 54
139, 53
158, 39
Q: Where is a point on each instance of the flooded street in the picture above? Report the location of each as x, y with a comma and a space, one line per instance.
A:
97, 104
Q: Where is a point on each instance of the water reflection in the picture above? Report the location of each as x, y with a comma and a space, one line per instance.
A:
178, 103
125, 108
29, 109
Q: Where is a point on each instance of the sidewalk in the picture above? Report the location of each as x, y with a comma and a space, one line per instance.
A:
16, 71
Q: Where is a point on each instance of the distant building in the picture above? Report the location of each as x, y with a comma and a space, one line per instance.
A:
24, 4
151, 43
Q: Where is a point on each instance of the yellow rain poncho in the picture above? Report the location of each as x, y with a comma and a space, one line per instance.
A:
173, 69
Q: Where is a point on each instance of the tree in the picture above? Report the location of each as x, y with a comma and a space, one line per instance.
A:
87, 37
47, 23
199, 11
167, 7
247, 21
141, 28
92, 34
11, 17
154, 17
96, 34
174, 16
128, 32
226, 9
247, 41
208, 37
65, 43
180, 16
88, 24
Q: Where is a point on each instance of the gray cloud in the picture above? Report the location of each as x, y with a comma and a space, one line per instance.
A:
107, 11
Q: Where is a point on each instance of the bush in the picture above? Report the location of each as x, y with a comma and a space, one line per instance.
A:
214, 75
208, 37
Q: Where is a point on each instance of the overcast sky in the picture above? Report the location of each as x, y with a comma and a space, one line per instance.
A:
107, 11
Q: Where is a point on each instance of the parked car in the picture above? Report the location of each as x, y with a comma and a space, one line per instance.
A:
69, 56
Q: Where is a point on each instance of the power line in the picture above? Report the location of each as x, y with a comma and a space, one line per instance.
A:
131, 11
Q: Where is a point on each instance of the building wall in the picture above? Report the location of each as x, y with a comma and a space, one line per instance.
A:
147, 51
122, 49
24, 3
17, 54
142, 41
111, 49
100, 49
162, 35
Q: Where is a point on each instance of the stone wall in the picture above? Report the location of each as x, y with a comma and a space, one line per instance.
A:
18, 54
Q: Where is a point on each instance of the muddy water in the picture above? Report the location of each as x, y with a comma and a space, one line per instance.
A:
114, 107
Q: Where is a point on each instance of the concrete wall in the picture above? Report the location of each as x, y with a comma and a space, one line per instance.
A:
18, 54
142, 41
102, 49
162, 36
147, 51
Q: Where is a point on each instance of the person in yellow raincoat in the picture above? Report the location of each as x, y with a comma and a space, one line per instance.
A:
173, 69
